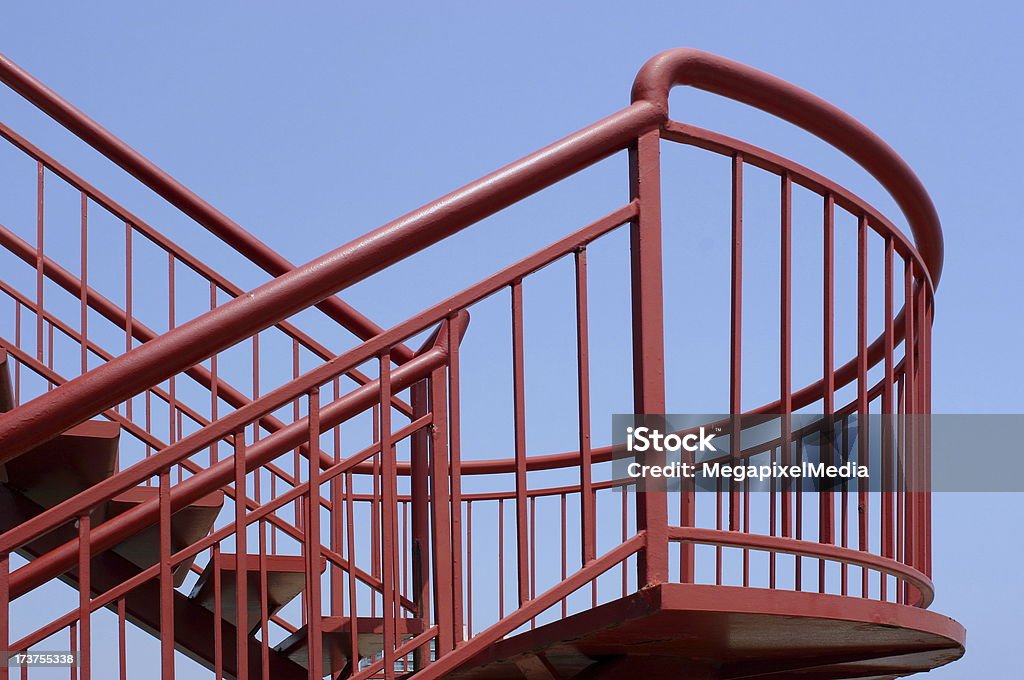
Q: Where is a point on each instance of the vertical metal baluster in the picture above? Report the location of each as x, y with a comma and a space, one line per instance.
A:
312, 536
148, 401
442, 512
923, 453
455, 455
469, 568
785, 349
128, 300
166, 579
501, 558
565, 539
587, 509
773, 491
736, 334
799, 529
420, 492
17, 343
49, 349
84, 275
218, 614
84, 597
375, 509
901, 472
927, 318
863, 497
214, 383
122, 642
519, 415
350, 545
910, 399
533, 553
264, 605
389, 519
336, 528
404, 544
73, 641
40, 179
888, 479
826, 499
241, 558
624, 528
172, 429
5, 611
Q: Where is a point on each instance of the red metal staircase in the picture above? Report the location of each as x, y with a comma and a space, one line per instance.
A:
143, 450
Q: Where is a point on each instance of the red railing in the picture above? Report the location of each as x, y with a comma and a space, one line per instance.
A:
451, 569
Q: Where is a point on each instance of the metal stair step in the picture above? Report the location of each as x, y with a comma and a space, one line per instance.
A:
336, 633
286, 578
66, 465
188, 525
194, 636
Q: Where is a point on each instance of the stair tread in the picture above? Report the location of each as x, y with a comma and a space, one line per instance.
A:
64, 466
286, 578
143, 603
336, 633
188, 525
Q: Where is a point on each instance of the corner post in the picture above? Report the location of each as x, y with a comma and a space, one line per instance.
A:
648, 339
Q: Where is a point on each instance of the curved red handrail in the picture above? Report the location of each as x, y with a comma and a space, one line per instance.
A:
742, 83
802, 548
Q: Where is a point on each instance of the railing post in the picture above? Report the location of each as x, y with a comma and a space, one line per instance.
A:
389, 521
241, 576
84, 598
648, 339
5, 606
166, 578
440, 495
313, 539
421, 517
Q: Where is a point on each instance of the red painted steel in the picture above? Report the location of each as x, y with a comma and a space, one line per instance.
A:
402, 557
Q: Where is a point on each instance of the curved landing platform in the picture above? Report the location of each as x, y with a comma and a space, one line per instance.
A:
698, 632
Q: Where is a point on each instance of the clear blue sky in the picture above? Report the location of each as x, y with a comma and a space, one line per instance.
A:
313, 124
